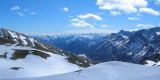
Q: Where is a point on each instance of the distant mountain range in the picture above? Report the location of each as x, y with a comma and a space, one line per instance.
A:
137, 46
22, 56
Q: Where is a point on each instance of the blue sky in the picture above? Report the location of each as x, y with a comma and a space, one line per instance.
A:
78, 16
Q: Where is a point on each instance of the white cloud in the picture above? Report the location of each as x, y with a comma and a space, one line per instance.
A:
80, 23
133, 18
104, 26
21, 11
75, 20
90, 15
65, 9
149, 11
114, 13
70, 16
15, 8
145, 26
91, 31
127, 6
20, 14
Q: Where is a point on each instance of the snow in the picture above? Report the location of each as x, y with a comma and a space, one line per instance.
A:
158, 63
130, 53
158, 33
14, 35
32, 65
125, 37
41, 44
82, 55
32, 41
23, 38
150, 63
108, 71
10, 49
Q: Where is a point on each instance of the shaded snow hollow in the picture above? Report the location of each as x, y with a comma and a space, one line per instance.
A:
108, 71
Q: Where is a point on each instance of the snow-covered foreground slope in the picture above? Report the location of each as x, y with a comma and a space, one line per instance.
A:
31, 65
109, 71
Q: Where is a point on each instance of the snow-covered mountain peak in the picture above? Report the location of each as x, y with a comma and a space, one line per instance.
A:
17, 38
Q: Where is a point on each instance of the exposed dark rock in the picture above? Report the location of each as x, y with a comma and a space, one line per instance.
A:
16, 68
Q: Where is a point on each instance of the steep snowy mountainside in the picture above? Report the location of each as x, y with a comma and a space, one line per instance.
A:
109, 71
27, 57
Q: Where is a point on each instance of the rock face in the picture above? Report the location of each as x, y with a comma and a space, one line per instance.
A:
21, 54
135, 47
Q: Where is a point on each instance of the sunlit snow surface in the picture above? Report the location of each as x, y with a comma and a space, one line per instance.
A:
31, 65
108, 71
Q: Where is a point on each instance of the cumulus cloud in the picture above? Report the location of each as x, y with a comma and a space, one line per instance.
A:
145, 26
126, 6
104, 31
21, 11
90, 15
104, 26
65, 9
115, 13
80, 23
149, 11
75, 19
15, 8
133, 18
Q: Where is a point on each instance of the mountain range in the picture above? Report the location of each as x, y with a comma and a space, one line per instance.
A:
128, 46
66, 57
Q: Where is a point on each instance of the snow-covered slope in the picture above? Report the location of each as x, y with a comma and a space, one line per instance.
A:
108, 71
22, 56
34, 66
